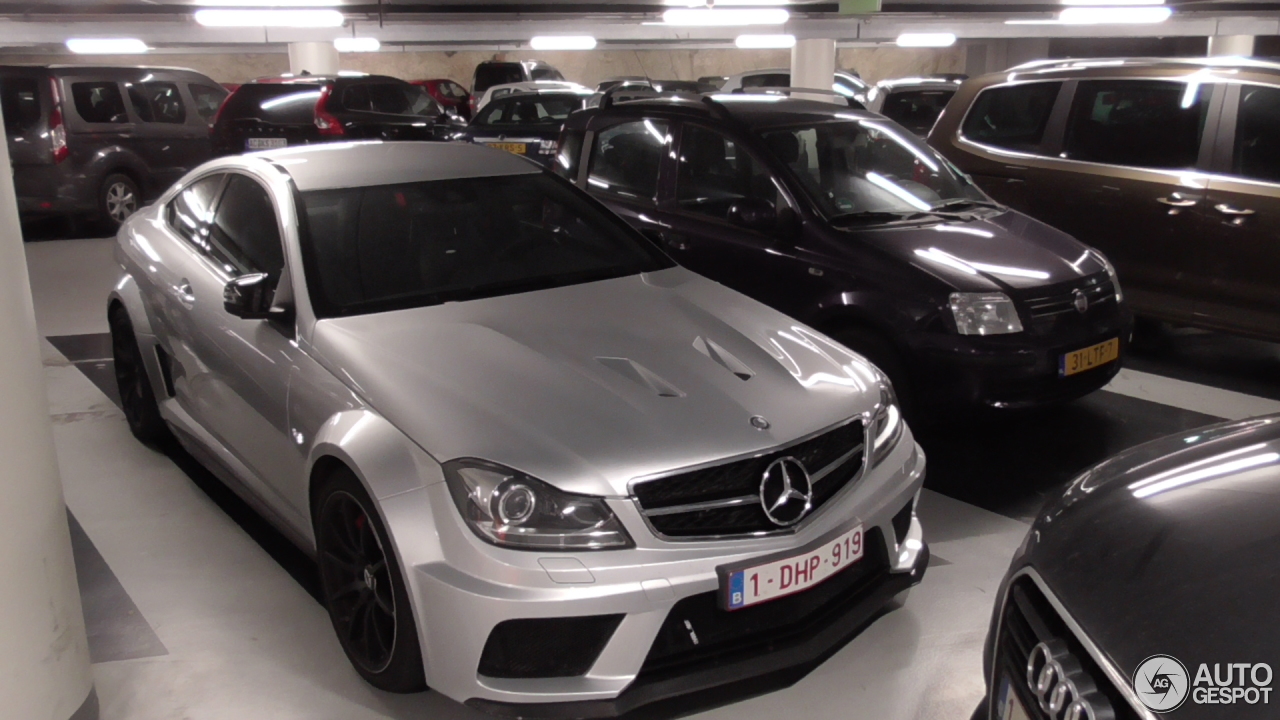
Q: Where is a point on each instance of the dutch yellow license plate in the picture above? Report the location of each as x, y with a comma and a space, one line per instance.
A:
1088, 358
517, 148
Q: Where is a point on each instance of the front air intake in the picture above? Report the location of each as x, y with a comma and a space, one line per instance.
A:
546, 647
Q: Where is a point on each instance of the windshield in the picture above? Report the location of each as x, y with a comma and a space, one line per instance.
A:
531, 109
866, 166
490, 74
388, 247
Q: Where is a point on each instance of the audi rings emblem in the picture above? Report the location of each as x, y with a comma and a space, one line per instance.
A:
786, 494
1061, 687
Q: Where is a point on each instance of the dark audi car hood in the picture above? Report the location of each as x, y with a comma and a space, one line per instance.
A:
1004, 252
1174, 548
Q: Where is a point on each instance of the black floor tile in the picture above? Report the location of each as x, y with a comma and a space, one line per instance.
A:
76, 348
1215, 359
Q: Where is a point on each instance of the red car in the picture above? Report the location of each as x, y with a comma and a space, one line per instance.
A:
449, 94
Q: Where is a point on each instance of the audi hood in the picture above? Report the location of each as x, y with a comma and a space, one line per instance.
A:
590, 386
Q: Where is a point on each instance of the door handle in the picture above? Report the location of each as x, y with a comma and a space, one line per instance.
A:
184, 292
1176, 201
1226, 209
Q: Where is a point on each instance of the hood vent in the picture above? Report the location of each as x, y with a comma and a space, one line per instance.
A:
641, 375
723, 358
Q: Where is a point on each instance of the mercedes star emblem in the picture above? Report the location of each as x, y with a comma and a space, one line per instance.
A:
785, 492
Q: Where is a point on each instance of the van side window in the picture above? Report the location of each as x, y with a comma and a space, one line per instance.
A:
20, 102
1138, 123
1012, 117
99, 102
1257, 151
207, 99
716, 173
626, 159
157, 102
189, 212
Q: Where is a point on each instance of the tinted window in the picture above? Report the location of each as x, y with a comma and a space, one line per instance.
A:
570, 154
627, 157
278, 104
1140, 123
245, 235
451, 90
1257, 151
769, 80
1012, 117
530, 110
385, 247
207, 99
545, 73
916, 110
715, 173
188, 212
99, 102
490, 74
20, 102
157, 102
389, 99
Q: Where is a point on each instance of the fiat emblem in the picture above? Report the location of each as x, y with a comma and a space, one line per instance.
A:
759, 423
1081, 301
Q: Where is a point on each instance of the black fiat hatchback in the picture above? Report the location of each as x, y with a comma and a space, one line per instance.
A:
849, 223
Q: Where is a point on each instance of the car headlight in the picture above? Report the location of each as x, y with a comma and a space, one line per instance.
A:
511, 509
886, 425
985, 314
1111, 273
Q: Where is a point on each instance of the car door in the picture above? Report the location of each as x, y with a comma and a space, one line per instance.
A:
166, 141
101, 124
239, 392
1241, 242
625, 168
1127, 181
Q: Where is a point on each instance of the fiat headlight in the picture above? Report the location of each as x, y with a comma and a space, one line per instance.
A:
886, 425
1111, 273
985, 314
511, 509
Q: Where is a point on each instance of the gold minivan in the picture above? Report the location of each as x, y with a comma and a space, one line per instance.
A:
1171, 167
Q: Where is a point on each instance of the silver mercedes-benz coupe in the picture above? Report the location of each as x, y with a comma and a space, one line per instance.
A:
542, 468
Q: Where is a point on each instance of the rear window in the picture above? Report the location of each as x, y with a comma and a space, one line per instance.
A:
545, 73
916, 110
530, 110
389, 99
1137, 123
276, 104
207, 99
490, 74
769, 80
99, 102
20, 102
1012, 117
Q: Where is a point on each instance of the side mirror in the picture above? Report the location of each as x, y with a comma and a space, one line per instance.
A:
249, 297
754, 214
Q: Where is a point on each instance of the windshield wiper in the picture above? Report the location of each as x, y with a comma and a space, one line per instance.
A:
966, 202
878, 215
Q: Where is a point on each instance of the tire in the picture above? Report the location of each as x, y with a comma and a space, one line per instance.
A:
137, 398
883, 355
117, 199
363, 587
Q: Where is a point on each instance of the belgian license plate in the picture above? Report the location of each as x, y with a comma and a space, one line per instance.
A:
1088, 358
266, 143
1008, 706
747, 586
517, 148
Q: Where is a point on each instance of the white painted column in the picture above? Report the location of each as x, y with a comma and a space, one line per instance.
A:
813, 65
317, 58
44, 656
1222, 45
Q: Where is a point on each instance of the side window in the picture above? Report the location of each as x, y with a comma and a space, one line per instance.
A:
1139, 123
769, 80
1257, 151
627, 157
208, 99
569, 156
1012, 117
356, 97
717, 173
245, 235
99, 102
157, 102
189, 212
20, 102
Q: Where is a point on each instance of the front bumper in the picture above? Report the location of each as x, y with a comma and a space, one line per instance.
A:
463, 588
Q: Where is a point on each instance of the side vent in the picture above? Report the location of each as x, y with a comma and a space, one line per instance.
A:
723, 358
166, 370
641, 375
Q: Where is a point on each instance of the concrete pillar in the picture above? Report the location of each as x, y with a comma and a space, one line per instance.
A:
813, 65
1221, 45
44, 656
317, 58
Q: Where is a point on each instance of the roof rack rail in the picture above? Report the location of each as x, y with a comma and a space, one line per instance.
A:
851, 101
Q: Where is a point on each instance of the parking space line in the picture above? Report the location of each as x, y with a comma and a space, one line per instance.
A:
1191, 396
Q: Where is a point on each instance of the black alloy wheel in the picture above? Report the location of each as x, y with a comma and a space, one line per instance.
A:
364, 589
137, 398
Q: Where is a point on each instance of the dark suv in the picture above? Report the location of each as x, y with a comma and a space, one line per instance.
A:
849, 223
99, 142
279, 112
1171, 167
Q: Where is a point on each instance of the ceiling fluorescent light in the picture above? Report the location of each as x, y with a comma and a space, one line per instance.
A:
299, 18
725, 3
106, 46
758, 42
708, 17
268, 3
917, 40
1112, 2
1114, 15
356, 44
563, 42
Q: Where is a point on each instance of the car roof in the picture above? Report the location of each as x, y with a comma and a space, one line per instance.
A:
1189, 64
102, 69
366, 163
289, 79
751, 109
905, 82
